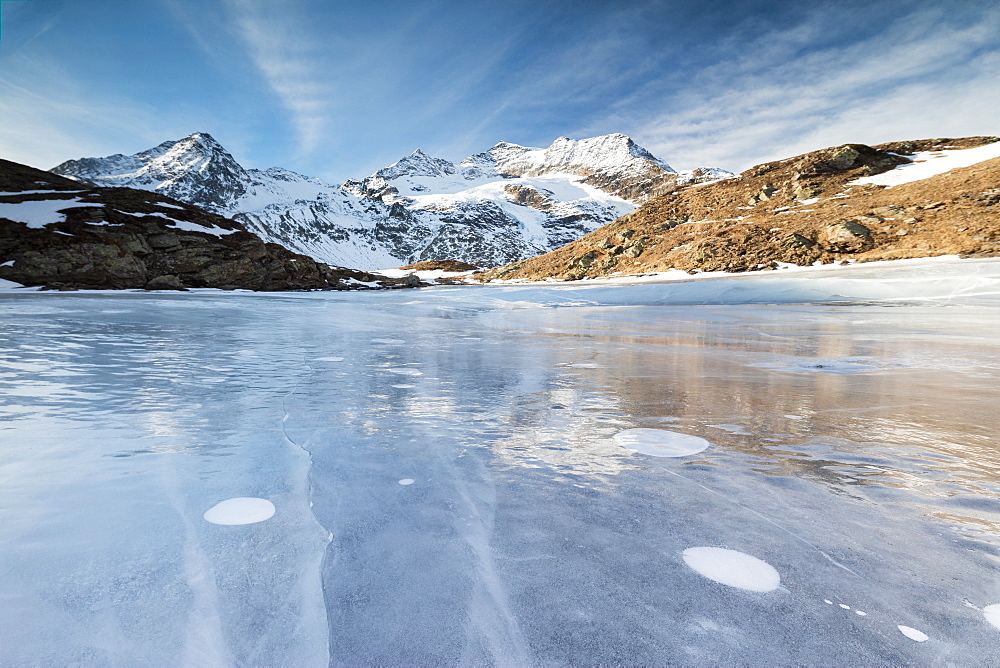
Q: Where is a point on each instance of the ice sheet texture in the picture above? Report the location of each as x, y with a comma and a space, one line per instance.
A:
853, 450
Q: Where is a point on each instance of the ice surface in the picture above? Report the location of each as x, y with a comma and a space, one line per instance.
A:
241, 510
733, 569
529, 535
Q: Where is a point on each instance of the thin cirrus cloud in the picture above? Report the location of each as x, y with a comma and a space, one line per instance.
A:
283, 47
49, 118
923, 75
341, 89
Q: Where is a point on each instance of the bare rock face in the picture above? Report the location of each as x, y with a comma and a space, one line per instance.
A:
56, 233
846, 236
528, 196
807, 209
441, 265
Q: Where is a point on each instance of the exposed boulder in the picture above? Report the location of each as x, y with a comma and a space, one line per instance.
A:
847, 236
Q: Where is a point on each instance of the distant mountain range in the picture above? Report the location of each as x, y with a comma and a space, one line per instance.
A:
504, 204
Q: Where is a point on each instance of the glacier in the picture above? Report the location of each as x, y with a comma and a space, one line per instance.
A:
449, 476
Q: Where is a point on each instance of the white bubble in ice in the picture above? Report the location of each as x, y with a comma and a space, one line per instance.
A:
240, 510
860, 614
828, 601
329, 359
403, 386
660, 442
406, 371
992, 614
732, 568
912, 633
389, 342
406, 481
844, 606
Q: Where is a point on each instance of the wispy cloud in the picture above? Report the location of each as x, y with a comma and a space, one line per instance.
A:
49, 118
924, 74
284, 47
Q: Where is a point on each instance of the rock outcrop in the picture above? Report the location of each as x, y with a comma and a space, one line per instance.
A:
57, 233
820, 207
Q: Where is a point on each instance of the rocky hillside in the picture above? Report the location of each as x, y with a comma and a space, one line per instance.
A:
507, 203
846, 203
57, 233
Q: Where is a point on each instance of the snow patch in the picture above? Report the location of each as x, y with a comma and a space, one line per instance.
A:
660, 442
191, 227
240, 510
733, 568
912, 633
36, 214
992, 614
405, 371
931, 163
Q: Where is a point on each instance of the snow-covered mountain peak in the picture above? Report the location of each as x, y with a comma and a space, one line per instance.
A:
506, 203
613, 153
195, 168
417, 163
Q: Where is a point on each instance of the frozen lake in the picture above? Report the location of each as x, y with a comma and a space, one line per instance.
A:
449, 476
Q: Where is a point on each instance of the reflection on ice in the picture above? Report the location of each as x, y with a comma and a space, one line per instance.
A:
819, 366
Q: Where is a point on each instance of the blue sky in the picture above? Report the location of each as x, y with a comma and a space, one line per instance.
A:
337, 89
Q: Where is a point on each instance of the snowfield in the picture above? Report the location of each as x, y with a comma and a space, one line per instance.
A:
931, 163
794, 467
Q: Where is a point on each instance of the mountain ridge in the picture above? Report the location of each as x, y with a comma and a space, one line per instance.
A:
847, 203
61, 234
417, 209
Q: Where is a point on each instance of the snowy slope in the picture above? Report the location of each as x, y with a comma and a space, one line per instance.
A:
926, 164
504, 204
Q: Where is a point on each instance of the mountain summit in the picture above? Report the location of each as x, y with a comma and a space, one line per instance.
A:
504, 204
195, 169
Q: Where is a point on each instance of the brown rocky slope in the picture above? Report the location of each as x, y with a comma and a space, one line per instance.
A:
800, 210
117, 238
